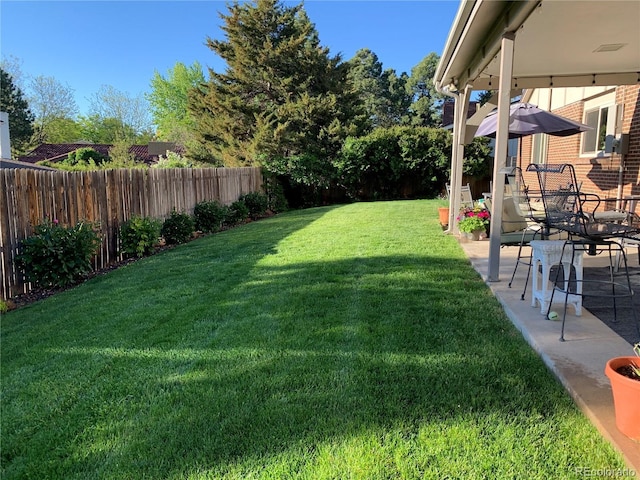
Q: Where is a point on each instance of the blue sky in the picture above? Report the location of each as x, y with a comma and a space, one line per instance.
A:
86, 44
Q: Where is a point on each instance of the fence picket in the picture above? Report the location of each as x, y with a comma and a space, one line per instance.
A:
105, 197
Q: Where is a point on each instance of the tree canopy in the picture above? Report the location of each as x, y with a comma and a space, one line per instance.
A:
54, 108
426, 108
21, 119
281, 95
169, 99
383, 94
129, 115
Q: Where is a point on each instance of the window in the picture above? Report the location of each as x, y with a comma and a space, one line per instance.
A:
600, 114
593, 140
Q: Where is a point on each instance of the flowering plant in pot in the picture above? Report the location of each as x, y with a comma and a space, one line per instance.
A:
624, 375
473, 219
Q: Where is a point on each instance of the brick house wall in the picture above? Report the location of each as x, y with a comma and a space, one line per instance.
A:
598, 175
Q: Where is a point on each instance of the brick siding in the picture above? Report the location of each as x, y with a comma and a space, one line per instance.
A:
599, 175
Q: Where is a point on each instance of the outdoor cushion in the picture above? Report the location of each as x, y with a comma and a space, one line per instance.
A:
512, 221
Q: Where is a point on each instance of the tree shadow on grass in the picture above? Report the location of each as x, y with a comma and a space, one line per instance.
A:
280, 359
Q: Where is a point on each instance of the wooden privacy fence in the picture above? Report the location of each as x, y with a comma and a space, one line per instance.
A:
106, 197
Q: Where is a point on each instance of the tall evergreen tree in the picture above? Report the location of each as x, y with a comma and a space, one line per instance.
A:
383, 94
21, 119
426, 108
282, 95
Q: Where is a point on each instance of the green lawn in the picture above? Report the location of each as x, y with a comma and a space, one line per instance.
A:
340, 342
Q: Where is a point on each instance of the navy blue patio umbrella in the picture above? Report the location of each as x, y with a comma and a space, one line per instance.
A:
527, 119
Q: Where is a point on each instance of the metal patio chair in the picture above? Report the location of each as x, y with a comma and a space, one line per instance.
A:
523, 199
576, 213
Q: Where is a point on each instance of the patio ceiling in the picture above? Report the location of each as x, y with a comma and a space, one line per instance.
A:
559, 43
537, 44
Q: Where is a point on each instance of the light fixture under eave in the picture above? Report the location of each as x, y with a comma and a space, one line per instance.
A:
609, 47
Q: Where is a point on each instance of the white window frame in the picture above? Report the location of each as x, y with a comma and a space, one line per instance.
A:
593, 112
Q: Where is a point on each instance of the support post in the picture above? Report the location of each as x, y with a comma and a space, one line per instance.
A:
499, 162
457, 156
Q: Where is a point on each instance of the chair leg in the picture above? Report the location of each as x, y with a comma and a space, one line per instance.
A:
513, 275
567, 285
634, 313
519, 261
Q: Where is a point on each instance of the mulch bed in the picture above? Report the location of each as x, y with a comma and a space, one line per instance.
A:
43, 292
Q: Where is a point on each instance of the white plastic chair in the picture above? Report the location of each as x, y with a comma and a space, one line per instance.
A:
466, 199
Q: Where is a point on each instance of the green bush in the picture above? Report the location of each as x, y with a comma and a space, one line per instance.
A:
58, 256
139, 235
404, 162
173, 160
178, 228
257, 203
85, 156
209, 216
277, 201
238, 213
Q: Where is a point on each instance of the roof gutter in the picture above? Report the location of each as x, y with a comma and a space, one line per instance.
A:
471, 17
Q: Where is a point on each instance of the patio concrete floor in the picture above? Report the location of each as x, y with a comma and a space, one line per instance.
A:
578, 362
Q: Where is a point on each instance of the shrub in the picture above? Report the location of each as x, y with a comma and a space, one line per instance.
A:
257, 204
178, 228
85, 156
56, 255
400, 162
173, 160
209, 216
139, 235
277, 201
238, 213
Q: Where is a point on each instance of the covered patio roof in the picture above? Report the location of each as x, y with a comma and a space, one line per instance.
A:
513, 45
559, 43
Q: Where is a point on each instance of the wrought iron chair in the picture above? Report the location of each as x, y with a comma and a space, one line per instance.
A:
523, 199
576, 213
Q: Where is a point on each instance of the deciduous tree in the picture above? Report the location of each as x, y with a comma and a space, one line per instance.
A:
52, 103
131, 114
169, 99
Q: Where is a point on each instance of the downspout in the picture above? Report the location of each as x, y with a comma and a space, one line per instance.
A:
620, 189
623, 158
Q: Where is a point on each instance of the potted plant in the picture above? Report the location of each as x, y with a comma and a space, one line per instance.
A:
624, 375
473, 221
443, 214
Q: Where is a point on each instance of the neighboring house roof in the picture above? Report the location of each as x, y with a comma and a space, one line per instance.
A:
6, 163
58, 151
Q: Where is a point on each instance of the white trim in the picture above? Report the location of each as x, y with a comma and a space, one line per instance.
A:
607, 100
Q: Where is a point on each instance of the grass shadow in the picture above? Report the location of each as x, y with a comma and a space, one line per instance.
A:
241, 355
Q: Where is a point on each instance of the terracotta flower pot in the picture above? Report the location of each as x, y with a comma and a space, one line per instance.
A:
443, 213
626, 396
